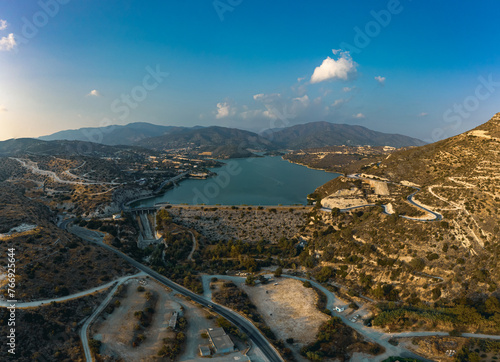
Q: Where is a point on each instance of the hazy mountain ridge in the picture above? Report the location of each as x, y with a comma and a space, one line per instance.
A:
208, 138
310, 135
322, 134
112, 135
22, 146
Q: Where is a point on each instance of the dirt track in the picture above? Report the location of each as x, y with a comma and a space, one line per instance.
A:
117, 330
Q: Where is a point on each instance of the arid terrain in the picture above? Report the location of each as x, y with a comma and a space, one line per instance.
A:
247, 223
290, 308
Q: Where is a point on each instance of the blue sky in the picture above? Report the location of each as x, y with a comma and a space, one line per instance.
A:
415, 69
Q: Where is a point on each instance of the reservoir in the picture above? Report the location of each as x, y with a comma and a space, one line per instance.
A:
263, 181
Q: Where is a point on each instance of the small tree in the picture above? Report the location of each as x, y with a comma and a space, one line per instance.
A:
335, 211
278, 272
250, 280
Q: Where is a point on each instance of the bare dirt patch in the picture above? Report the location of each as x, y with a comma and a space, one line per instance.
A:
290, 308
116, 331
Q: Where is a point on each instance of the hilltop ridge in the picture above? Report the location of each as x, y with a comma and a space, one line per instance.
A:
458, 178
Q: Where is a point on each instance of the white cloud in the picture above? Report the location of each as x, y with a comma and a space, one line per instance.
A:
339, 102
2, 108
359, 116
300, 79
347, 89
380, 79
303, 100
7, 42
94, 93
224, 110
343, 68
3, 24
423, 114
267, 98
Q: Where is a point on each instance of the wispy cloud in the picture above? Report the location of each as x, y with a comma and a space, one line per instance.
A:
2, 108
7, 42
359, 116
94, 93
423, 114
380, 80
343, 68
347, 89
339, 102
3, 24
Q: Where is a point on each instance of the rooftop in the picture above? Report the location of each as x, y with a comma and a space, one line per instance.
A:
220, 340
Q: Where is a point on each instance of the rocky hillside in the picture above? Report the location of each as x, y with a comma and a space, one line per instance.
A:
456, 255
27, 146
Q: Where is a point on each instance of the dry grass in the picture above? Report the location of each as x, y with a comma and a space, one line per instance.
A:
116, 332
289, 308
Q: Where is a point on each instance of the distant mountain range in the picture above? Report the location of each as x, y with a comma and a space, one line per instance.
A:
22, 146
228, 142
219, 142
323, 134
112, 135
310, 135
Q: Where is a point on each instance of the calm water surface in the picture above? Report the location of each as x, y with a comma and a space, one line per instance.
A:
251, 181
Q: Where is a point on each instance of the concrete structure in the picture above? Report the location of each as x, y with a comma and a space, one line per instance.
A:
220, 340
204, 351
173, 320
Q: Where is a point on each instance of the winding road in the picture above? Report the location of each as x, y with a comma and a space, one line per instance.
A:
435, 216
85, 327
241, 322
40, 303
371, 334
33, 167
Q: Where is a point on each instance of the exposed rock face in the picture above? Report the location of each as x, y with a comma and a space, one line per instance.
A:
344, 199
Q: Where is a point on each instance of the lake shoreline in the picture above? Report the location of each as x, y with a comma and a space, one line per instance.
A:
265, 181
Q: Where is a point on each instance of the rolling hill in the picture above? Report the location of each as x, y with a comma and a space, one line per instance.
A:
20, 146
450, 259
225, 141
112, 135
219, 141
322, 134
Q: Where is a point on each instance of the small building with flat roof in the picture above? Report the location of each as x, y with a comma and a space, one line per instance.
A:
220, 340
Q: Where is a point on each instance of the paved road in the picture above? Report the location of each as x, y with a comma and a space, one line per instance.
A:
241, 322
372, 334
436, 216
410, 200
83, 331
173, 179
45, 302
332, 301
